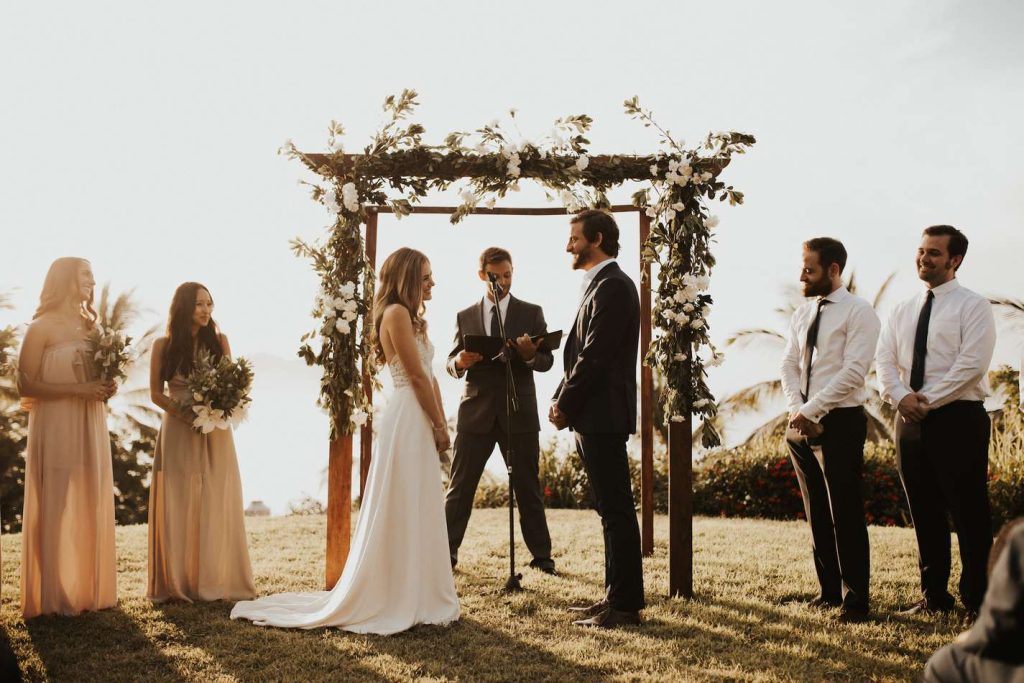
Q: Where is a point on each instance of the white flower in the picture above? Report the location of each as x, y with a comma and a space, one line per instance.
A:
288, 148
207, 419
682, 319
514, 187
582, 162
690, 292
489, 203
468, 197
673, 165
705, 310
680, 357
706, 176
711, 221
685, 170
703, 282
342, 326
350, 197
689, 280
524, 145
668, 314
688, 308
680, 297
513, 170
679, 206
331, 201
349, 315
238, 415
697, 323
651, 212
347, 289
700, 403
359, 417
654, 169
678, 418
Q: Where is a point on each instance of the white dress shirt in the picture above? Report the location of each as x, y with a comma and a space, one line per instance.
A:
588, 277
847, 333
961, 338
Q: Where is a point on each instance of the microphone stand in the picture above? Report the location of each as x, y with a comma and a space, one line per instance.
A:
511, 408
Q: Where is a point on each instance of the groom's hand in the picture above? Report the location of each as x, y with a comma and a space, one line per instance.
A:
556, 417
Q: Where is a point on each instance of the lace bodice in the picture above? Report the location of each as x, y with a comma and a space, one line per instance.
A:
398, 374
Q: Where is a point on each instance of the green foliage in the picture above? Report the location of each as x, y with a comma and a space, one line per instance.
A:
680, 181
564, 483
758, 480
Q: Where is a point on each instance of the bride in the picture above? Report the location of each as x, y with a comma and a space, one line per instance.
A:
398, 573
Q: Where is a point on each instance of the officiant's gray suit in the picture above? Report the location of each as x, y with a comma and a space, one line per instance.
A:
483, 422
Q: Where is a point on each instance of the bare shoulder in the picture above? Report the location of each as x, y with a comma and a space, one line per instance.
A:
395, 314
159, 343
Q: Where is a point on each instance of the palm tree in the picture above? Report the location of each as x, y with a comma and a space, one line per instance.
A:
755, 396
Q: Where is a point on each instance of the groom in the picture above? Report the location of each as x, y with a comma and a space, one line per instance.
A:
483, 419
597, 400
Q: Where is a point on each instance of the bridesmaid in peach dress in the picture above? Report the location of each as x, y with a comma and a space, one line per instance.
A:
197, 545
68, 559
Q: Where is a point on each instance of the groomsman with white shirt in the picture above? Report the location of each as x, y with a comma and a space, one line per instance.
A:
828, 354
933, 356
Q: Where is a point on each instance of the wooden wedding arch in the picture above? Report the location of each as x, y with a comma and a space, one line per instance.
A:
680, 440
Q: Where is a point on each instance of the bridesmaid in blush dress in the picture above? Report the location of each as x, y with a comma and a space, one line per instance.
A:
197, 545
68, 559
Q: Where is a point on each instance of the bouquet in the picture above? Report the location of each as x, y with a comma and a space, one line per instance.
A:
110, 355
220, 392
7, 340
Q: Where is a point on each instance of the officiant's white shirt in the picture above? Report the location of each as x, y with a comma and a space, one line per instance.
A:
847, 334
961, 339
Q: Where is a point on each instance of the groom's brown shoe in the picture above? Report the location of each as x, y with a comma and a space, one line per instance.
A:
610, 618
587, 611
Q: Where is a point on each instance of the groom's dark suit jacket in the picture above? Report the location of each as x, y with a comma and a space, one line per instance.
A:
598, 390
483, 398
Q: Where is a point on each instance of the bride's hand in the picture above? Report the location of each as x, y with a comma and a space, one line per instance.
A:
442, 441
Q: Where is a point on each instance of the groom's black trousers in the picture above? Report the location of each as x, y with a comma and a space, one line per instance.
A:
834, 505
606, 462
943, 463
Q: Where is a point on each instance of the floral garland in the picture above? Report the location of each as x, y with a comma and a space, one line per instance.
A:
489, 163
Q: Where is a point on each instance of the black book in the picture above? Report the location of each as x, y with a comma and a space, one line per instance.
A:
489, 347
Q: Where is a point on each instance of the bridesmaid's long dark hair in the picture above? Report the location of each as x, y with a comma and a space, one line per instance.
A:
179, 353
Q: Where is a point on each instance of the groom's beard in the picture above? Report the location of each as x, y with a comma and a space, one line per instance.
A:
582, 257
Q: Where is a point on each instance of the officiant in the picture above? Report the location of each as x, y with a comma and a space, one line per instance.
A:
483, 421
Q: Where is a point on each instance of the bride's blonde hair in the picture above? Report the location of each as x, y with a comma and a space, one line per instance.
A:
60, 279
399, 282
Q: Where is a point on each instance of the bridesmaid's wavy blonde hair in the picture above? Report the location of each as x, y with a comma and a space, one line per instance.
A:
61, 279
399, 282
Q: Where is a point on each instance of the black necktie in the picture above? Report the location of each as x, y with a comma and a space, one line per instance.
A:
812, 342
495, 330
921, 344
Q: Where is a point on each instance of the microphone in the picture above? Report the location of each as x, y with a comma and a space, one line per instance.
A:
494, 284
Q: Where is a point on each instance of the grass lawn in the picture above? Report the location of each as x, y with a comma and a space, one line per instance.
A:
739, 626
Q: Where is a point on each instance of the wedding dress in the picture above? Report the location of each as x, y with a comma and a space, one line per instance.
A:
398, 572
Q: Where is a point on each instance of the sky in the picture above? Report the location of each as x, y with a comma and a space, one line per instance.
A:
144, 138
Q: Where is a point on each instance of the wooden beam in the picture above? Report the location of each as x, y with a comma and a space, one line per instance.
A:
646, 401
339, 507
680, 508
366, 431
505, 211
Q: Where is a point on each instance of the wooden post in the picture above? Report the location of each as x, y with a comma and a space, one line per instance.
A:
646, 401
366, 431
680, 506
339, 507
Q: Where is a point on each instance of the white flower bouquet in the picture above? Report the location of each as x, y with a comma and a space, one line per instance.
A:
219, 392
110, 354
